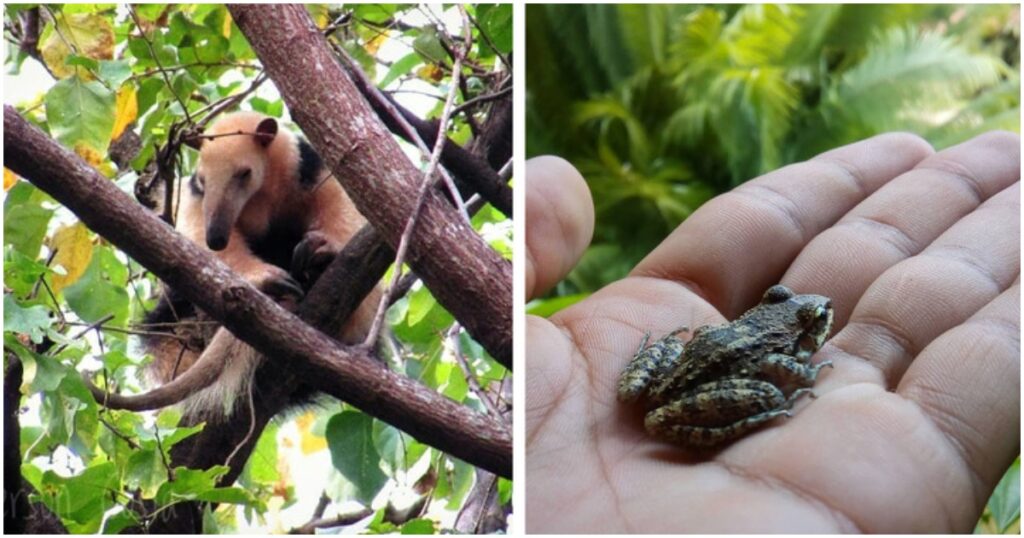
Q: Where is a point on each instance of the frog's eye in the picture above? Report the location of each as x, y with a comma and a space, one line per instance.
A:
777, 294
821, 312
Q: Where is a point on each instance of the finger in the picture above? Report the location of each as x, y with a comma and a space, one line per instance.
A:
549, 363
903, 217
968, 382
740, 243
918, 299
560, 217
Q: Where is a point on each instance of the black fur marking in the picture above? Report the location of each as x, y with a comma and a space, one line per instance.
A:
277, 245
310, 165
195, 186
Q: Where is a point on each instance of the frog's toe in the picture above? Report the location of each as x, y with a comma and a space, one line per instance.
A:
796, 396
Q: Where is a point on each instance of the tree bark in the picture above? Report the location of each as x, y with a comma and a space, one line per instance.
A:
348, 373
465, 275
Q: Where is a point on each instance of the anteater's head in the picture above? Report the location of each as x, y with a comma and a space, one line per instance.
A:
234, 157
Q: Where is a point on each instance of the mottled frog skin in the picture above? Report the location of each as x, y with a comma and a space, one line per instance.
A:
729, 379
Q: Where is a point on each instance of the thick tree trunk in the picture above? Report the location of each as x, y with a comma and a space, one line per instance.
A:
465, 275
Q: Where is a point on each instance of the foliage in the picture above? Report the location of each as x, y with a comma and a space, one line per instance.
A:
1002, 513
72, 301
663, 106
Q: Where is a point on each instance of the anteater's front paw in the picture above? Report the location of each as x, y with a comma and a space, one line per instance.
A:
312, 256
281, 287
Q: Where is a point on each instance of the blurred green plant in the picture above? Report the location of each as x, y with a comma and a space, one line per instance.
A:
663, 106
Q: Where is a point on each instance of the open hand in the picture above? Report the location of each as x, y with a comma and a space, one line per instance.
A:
910, 432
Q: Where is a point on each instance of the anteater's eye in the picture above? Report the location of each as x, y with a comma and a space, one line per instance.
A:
242, 176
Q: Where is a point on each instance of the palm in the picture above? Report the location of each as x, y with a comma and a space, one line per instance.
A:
910, 431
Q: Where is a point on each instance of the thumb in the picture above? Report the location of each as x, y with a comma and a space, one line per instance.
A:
560, 222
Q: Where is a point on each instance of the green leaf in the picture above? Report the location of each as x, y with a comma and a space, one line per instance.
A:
32, 321
145, 470
496, 22
1005, 500
230, 495
115, 72
189, 484
21, 272
504, 490
350, 439
80, 113
401, 67
81, 500
399, 451
261, 468
25, 220
547, 307
100, 291
428, 45
418, 526
421, 302
460, 479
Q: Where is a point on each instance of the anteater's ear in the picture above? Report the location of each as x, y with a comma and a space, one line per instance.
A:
266, 131
194, 141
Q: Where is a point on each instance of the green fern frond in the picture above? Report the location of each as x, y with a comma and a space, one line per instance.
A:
759, 34
995, 108
689, 124
699, 35
907, 74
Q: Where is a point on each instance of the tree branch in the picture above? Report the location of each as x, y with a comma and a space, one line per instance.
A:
350, 374
464, 165
464, 274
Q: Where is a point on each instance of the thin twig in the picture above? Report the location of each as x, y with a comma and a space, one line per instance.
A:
354, 70
471, 380
252, 428
155, 70
403, 243
39, 281
152, 51
221, 105
487, 39
505, 173
118, 434
95, 325
163, 457
131, 332
337, 521
481, 99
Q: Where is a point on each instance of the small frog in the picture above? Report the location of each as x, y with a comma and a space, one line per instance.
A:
729, 379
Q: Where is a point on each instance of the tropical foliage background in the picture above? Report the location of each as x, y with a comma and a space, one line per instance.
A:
73, 302
663, 106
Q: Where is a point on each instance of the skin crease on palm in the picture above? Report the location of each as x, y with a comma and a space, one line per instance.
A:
919, 251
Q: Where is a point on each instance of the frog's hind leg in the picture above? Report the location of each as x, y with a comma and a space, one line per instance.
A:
718, 412
651, 362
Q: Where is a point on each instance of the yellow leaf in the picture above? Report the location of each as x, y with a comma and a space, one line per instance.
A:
374, 44
9, 179
310, 442
89, 154
226, 29
85, 34
430, 72
127, 110
74, 251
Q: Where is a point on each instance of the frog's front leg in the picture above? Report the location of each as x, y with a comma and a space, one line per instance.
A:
650, 363
720, 411
787, 371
